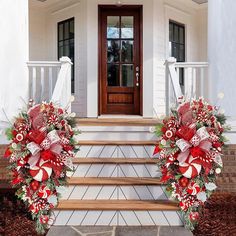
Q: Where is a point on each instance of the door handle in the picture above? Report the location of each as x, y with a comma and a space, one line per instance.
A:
137, 76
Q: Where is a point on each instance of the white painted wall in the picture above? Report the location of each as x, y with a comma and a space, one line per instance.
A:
194, 17
13, 56
156, 15
222, 51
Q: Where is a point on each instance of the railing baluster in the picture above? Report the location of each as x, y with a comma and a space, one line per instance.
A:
42, 75
50, 78
34, 83
202, 93
194, 86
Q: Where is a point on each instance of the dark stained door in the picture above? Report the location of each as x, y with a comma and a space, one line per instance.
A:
120, 58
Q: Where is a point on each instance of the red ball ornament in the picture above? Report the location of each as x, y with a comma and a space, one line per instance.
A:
34, 185
183, 182
194, 216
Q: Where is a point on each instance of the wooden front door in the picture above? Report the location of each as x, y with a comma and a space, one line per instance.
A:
120, 60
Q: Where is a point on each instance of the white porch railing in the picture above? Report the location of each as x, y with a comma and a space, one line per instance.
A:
50, 81
195, 81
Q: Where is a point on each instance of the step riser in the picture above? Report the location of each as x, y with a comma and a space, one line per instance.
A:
118, 136
113, 192
110, 170
116, 151
116, 218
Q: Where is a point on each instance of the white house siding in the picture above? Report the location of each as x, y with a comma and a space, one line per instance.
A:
156, 15
13, 55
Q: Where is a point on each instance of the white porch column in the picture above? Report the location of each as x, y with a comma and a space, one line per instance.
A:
13, 56
222, 53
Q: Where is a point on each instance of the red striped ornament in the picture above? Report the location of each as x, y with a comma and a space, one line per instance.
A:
191, 168
42, 171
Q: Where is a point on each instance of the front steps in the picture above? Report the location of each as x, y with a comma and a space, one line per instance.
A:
116, 181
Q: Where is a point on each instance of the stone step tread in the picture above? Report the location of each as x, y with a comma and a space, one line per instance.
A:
116, 142
126, 205
113, 181
117, 122
94, 160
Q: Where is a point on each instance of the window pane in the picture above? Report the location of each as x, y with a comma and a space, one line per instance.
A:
181, 53
113, 75
72, 29
60, 52
127, 51
113, 27
113, 51
60, 33
176, 33
66, 30
181, 35
127, 27
170, 32
127, 76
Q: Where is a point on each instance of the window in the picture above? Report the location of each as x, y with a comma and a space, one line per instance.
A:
66, 44
177, 45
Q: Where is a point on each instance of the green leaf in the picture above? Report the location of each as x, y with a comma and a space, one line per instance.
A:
9, 134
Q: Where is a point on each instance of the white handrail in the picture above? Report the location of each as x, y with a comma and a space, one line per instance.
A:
50, 81
62, 91
195, 82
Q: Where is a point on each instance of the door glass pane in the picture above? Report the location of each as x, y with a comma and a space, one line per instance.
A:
127, 76
113, 51
113, 75
127, 27
127, 50
170, 32
113, 27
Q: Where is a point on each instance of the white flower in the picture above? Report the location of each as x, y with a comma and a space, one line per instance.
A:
69, 173
201, 196
152, 129
163, 142
210, 186
218, 171
73, 114
14, 145
221, 95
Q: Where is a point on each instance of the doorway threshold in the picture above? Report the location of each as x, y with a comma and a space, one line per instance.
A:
120, 117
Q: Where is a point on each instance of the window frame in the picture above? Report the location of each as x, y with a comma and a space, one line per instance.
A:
69, 20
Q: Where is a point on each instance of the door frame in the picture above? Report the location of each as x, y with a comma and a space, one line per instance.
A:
115, 7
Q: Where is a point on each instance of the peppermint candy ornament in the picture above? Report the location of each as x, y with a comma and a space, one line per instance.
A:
191, 168
44, 192
193, 188
41, 172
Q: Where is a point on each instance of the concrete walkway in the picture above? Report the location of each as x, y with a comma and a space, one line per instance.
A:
118, 231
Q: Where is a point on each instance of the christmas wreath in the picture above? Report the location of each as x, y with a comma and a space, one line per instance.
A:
190, 155
40, 156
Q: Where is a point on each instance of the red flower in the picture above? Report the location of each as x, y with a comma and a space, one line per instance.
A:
183, 182
47, 155
156, 150
7, 153
197, 152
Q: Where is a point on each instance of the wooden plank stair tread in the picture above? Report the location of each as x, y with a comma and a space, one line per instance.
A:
115, 160
126, 205
113, 181
117, 122
114, 142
